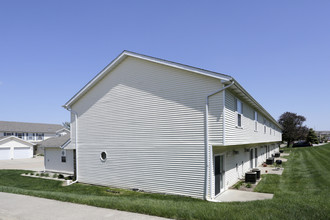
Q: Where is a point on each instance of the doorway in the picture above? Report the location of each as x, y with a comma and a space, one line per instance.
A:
219, 172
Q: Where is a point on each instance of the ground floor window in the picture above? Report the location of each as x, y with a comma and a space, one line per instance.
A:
63, 159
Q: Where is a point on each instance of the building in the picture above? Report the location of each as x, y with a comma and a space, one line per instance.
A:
30, 132
59, 154
165, 127
12, 147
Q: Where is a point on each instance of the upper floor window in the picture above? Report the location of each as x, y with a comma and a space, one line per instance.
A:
239, 110
30, 136
8, 134
265, 126
39, 136
255, 121
20, 135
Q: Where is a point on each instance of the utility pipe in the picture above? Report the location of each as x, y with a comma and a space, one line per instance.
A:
76, 140
208, 152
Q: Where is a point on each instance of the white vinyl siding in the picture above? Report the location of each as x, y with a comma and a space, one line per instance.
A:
216, 119
233, 135
53, 161
150, 120
238, 163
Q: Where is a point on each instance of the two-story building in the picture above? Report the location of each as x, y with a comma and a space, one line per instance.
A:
20, 139
165, 127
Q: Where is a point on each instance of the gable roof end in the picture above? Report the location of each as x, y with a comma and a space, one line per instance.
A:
126, 54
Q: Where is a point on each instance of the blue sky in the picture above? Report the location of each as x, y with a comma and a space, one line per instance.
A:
279, 51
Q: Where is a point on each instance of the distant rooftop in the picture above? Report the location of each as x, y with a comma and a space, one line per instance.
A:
10, 126
55, 141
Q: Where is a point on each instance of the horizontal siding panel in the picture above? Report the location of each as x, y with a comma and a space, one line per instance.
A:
149, 118
247, 133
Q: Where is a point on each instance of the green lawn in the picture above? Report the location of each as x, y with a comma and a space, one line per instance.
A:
302, 192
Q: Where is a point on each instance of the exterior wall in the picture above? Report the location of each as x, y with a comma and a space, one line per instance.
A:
246, 134
215, 119
237, 164
149, 118
53, 162
13, 144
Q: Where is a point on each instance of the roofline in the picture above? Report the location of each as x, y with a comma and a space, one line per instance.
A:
62, 129
262, 110
16, 138
126, 54
66, 144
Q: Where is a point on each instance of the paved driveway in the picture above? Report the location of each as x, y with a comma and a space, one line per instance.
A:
35, 164
14, 207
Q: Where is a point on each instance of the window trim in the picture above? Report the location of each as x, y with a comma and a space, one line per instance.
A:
239, 114
255, 121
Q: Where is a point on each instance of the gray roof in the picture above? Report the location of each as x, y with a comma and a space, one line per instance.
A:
10, 126
55, 141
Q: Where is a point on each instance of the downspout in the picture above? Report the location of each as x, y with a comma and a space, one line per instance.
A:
208, 151
75, 140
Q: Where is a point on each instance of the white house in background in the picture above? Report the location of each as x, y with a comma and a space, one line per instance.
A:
165, 127
30, 132
12, 147
59, 154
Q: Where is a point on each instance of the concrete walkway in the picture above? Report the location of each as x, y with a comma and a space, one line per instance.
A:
242, 196
14, 207
34, 164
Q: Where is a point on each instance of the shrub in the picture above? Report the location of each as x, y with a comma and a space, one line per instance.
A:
248, 185
46, 174
60, 176
55, 175
37, 174
42, 174
238, 184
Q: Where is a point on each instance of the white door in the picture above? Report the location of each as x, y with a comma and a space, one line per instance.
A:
22, 152
5, 153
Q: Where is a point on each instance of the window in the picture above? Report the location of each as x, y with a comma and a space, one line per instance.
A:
103, 156
265, 126
239, 110
39, 136
8, 134
30, 136
63, 156
270, 131
20, 135
255, 121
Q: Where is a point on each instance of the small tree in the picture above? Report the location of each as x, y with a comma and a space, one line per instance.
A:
293, 128
312, 137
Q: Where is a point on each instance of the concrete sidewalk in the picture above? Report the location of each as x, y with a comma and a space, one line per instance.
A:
34, 164
14, 207
231, 195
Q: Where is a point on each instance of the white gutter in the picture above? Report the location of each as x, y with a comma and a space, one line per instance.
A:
75, 140
208, 151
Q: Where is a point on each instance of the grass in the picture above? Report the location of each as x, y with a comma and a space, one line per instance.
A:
302, 192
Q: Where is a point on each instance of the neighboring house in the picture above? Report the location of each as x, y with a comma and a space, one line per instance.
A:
12, 147
30, 132
164, 127
59, 154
